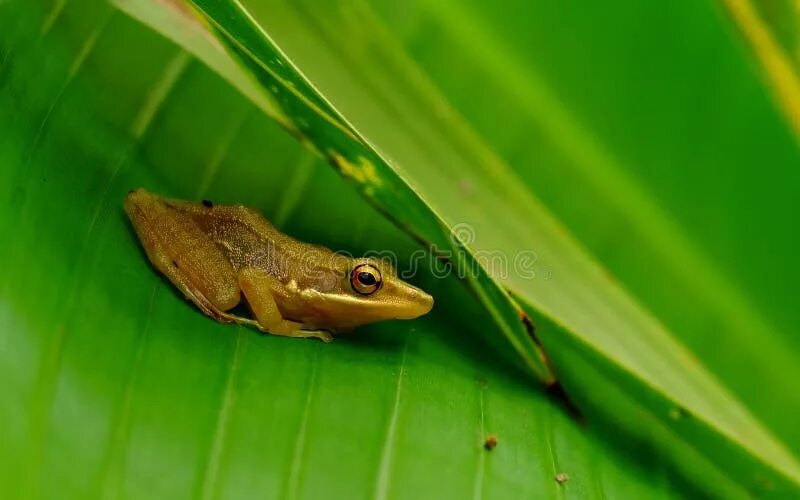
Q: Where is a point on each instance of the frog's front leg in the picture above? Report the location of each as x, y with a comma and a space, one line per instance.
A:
256, 285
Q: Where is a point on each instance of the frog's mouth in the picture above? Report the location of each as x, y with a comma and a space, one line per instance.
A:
396, 300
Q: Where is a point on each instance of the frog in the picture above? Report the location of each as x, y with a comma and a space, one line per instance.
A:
222, 257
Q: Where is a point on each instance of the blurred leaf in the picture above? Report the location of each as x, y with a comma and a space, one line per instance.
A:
772, 30
364, 82
114, 386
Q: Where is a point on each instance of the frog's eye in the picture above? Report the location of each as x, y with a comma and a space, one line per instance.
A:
365, 279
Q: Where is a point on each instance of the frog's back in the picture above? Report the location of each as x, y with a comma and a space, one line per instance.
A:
248, 240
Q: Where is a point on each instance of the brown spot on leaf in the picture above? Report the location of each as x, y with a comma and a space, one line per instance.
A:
557, 392
529, 327
490, 442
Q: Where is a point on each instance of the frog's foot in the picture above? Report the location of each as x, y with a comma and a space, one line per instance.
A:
226, 317
300, 333
323, 335
285, 328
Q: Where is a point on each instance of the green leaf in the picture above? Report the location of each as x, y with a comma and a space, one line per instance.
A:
114, 386
117, 387
359, 80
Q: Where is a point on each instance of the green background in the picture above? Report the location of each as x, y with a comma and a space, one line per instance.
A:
646, 130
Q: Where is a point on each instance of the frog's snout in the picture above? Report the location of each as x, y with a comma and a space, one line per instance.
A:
138, 198
416, 303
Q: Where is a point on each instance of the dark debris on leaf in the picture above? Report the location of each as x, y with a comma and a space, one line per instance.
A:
490, 443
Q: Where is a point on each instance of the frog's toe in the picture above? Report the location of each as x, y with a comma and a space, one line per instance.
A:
323, 335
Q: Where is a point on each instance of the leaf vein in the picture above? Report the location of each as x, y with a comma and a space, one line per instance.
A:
384, 469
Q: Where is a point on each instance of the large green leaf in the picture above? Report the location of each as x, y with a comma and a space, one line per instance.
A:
355, 80
103, 360
114, 386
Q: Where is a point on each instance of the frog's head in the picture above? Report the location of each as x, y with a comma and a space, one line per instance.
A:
368, 290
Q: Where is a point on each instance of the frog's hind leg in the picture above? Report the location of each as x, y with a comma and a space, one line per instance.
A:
178, 248
256, 285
